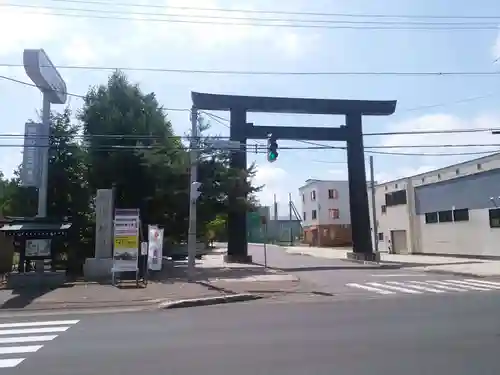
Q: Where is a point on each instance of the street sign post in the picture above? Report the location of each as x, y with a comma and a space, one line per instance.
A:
48, 80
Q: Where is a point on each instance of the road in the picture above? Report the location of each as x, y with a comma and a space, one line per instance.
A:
342, 279
450, 335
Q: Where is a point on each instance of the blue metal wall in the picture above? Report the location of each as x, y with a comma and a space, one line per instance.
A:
472, 192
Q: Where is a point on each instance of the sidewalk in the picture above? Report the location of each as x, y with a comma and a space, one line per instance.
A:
427, 263
213, 278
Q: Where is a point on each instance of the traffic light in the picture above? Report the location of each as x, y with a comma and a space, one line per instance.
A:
195, 190
272, 149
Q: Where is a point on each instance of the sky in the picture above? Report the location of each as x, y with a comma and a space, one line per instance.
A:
80, 34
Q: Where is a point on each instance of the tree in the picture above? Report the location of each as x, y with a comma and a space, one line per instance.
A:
216, 229
132, 148
220, 181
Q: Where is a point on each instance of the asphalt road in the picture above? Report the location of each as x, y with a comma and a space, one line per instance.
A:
447, 335
343, 279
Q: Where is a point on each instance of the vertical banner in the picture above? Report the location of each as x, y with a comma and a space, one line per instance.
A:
30, 169
155, 248
126, 240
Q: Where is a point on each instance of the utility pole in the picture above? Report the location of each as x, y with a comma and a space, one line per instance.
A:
374, 209
275, 207
290, 217
193, 190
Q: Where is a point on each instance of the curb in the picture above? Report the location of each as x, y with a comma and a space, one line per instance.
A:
207, 301
374, 264
462, 274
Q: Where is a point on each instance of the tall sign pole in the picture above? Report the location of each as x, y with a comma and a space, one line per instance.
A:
45, 76
374, 210
194, 185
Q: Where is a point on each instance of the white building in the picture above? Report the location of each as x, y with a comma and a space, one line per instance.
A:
451, 211
325, 213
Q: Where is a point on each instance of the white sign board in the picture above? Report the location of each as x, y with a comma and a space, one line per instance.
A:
37, 248
126, 241
45, 75
155, 248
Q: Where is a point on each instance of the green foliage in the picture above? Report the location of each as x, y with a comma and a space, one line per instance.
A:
216, 229
122, 139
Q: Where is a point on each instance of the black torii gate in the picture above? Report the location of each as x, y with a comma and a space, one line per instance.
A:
351, 133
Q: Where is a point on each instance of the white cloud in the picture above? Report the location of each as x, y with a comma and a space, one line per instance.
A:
436, 122
443, 122
21, 30
206, 34
277, 182
495, 50
337, 174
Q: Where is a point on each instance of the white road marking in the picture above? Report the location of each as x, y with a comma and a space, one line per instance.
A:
419, 287
486, 283
400, 289
371, 289
32, 330
11, 362
445, 287
28, 332
399, 275
20, 349
453, 283
21, 339
39, 324
469, 284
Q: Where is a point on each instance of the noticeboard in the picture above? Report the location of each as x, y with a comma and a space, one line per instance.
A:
126, 242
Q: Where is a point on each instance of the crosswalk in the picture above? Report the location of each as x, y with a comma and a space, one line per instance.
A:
427, 286
18, 339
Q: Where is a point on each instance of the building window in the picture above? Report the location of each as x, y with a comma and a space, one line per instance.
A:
313, 195
381, 236
445, 216
479, 166
386, 188
423, 179
314, 215
333, 194
395, 198
334, 213
439, 176
395, 186
495, 218
303, 197
461, 215
457, 171
304, 216
383, 208
431, 218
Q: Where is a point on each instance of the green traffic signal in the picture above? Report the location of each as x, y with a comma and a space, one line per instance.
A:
272, 149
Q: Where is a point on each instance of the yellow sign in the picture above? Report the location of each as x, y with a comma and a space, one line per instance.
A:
126, 242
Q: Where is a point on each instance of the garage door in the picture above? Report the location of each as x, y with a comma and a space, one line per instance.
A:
399, 243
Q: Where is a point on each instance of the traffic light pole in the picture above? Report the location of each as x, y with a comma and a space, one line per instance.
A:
192, 199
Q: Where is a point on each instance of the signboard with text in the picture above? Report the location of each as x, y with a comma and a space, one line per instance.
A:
36, 137
126, 240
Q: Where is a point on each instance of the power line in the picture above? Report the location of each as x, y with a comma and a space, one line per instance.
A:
267, 73
71, 94
423, 27
267, 19
251, 11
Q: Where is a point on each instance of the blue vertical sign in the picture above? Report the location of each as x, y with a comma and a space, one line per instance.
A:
32, 155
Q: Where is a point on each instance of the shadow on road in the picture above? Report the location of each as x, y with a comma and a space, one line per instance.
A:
24, 296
